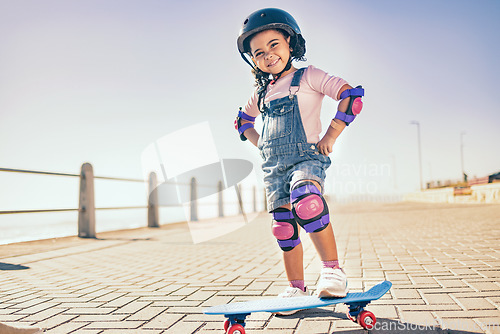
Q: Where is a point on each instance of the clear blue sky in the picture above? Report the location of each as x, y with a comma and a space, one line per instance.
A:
99, 81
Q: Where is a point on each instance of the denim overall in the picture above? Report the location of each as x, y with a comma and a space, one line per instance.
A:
288, 157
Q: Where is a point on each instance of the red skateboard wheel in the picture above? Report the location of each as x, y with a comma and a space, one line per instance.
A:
367, 319
236, 329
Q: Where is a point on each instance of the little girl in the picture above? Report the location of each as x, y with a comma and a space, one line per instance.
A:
295, 159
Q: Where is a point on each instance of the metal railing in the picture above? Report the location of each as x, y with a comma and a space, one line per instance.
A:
87, 209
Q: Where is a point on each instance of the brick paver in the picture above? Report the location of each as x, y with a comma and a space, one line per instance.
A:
443, 261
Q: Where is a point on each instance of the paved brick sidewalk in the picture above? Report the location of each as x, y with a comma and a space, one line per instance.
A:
443, 260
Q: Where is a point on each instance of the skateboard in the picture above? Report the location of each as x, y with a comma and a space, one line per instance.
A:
236, 313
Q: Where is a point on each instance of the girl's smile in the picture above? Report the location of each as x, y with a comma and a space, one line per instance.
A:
271, 52
274, 63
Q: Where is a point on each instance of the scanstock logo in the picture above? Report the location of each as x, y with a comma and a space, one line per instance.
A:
190, 154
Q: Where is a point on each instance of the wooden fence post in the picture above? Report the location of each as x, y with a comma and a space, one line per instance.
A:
240, 202
153, 210
265, 200
194, 200
86, 212
254, 195
237, 188
220, 188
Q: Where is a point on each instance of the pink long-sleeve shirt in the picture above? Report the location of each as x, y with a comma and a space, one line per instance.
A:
314, 85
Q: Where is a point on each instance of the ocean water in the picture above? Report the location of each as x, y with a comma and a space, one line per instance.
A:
40, 192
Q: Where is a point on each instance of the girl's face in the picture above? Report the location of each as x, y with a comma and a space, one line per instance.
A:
270, 51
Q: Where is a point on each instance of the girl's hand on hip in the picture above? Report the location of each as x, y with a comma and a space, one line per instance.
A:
325, 145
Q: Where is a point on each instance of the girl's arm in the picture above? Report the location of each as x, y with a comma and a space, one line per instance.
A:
325, 145
251, 110
250, 133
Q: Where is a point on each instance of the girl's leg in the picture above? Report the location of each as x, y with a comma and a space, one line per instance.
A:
294, 264
294, 267
294, 259
324, 241
333, 281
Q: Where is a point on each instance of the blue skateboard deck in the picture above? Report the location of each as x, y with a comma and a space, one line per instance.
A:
237, 312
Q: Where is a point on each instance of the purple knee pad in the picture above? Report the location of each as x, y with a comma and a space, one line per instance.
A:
285, 229
309, 207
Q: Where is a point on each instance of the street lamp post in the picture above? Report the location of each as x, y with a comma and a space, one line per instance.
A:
419, 152
462, 155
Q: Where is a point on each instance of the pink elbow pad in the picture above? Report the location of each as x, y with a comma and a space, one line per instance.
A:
357, 105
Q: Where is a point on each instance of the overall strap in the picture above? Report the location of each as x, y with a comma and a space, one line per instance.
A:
296, 81
297, 76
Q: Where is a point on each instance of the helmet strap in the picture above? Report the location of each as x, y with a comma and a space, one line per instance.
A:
287, 67
247, 61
